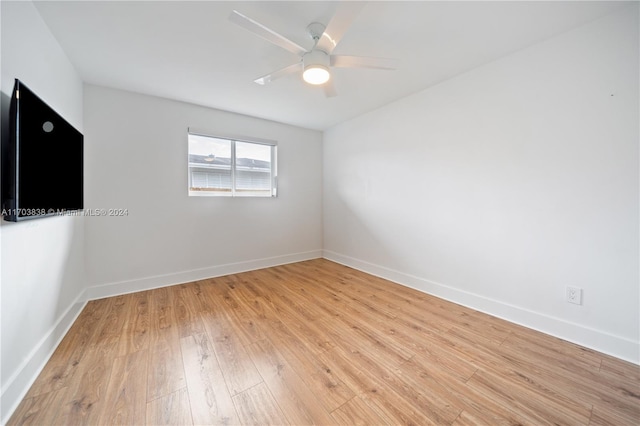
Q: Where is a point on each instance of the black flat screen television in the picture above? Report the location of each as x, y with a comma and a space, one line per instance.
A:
42, 164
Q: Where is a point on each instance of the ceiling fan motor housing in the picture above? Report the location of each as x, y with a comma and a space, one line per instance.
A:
315, 58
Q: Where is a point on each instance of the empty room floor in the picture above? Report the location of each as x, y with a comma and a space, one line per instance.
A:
318, 343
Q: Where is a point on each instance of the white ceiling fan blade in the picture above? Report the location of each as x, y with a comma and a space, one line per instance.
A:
339, 24
266, 33
344, 61
330, 89
280, 73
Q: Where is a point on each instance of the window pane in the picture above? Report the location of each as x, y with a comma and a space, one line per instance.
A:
253, 168
226, 167
209, 164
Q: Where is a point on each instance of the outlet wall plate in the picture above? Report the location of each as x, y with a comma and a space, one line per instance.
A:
574, 295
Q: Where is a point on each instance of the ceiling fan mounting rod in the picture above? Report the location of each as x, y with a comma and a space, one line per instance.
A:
315, 31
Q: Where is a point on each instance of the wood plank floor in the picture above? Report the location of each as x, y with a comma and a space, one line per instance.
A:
318, 343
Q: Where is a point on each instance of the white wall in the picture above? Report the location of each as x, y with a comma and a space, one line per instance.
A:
136, 150
498, 188
42, 260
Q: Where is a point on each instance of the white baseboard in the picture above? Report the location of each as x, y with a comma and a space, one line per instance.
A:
148, 283
617, 346
18, 384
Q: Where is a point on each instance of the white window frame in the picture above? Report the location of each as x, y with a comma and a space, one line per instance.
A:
233, 140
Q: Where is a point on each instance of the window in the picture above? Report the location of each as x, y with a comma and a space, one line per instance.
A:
230, 167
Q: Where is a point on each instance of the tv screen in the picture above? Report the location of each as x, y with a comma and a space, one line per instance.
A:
43, 162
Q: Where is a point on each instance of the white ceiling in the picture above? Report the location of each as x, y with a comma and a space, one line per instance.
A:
189, 51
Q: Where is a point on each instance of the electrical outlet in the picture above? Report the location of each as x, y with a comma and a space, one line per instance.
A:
574, 295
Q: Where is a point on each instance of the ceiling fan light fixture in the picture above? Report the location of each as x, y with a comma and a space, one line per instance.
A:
316, 67
316, 74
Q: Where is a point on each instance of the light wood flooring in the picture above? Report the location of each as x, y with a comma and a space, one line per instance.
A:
318, 343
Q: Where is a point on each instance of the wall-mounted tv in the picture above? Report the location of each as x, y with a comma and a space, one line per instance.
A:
42, 160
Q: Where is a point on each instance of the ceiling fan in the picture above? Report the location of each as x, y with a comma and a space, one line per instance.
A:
316, 63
